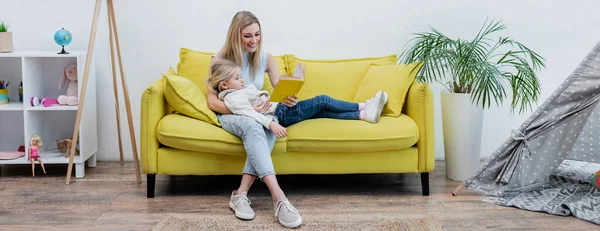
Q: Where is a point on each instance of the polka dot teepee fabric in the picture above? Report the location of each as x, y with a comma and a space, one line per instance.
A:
565, 127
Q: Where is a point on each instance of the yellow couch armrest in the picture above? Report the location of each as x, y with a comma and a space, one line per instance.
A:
153, 108
419, 107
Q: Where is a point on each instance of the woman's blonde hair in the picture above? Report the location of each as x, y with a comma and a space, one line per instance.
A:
219, 72
232, 50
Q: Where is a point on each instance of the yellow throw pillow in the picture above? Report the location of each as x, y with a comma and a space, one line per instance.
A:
282, 71
194, 65
292, 61
171, 71
393, 79
338, 80
186, 98
170, 108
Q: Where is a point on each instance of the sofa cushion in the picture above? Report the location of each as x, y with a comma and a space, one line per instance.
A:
395, 80
187, 98
194, 65
334, 135
182, 132
170, 108
337, 78
292, 61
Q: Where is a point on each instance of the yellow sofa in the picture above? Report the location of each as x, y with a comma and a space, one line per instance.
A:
174, 142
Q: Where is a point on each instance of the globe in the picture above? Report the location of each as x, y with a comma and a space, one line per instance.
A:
63, 37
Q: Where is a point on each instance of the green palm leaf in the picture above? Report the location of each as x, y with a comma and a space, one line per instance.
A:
478, 66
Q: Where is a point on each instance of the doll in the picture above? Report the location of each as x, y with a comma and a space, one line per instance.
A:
35, 146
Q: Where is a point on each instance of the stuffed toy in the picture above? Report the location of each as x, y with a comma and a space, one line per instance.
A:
70, 76
64, 146
596, 180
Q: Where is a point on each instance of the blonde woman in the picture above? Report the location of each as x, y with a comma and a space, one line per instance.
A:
243, 47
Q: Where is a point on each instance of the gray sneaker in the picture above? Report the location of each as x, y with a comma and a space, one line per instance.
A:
240, 204
374, 106
287, 214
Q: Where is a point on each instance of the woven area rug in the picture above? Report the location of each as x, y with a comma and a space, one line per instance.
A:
309, 222
568, 193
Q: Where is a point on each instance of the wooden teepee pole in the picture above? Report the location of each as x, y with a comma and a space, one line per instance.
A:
125, 92
458, 189
114, 37
114, 77
86, 73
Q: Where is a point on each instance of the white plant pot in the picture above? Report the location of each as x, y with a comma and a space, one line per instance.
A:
461, 122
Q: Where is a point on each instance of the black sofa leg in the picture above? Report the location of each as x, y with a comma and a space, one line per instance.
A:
425, 183
151, 178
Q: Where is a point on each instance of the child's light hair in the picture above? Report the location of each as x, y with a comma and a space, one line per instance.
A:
219, 72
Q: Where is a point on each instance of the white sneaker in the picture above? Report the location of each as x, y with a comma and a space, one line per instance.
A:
240, 204
374, 106
287, 214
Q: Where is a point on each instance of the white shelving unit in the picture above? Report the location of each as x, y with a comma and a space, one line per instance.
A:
40, 72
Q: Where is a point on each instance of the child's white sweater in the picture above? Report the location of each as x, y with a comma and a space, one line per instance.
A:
240, 102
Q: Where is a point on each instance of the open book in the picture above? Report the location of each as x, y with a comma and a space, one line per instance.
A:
289, 85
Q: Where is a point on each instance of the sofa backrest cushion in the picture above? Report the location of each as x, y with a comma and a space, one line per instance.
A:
393, 79
338, 78
194, 65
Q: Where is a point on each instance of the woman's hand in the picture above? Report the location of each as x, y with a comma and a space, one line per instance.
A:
278, 130
290, 101
262, 107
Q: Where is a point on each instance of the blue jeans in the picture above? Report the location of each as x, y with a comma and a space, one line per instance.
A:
258, 142
321, 106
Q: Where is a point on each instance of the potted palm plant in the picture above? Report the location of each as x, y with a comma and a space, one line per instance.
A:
6, 44
475, 73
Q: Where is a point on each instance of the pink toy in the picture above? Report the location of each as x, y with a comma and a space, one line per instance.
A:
71, 98
47, 102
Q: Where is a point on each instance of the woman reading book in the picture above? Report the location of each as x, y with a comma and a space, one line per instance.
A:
243, 47
226, 81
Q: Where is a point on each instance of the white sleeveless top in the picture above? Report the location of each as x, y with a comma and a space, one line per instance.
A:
258, 80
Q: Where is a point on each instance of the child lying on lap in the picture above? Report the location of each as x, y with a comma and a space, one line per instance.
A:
225, 80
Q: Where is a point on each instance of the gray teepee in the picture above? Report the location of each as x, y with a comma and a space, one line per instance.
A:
565, 127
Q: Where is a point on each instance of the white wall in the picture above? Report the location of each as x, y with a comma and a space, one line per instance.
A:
152, 31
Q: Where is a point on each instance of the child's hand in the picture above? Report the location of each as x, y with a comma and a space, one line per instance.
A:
279, 130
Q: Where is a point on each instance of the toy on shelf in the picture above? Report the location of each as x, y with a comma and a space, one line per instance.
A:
46, 101
4, 91
63, 37
35, 146
70, 75
64, 145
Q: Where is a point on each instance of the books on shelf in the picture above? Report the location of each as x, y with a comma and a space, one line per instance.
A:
289, 85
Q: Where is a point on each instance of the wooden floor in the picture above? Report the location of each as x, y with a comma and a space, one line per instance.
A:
108, 198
